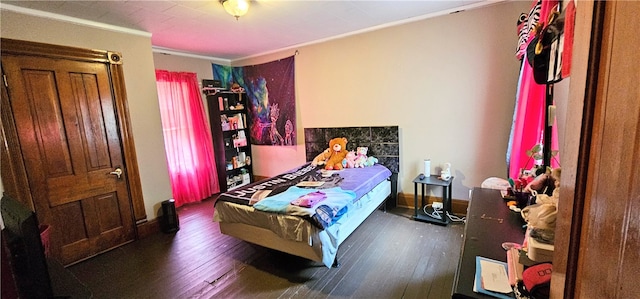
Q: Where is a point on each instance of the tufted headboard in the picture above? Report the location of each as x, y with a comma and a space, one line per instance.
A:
383, 142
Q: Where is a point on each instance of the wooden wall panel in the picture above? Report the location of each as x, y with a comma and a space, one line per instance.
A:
611, 230
598, 230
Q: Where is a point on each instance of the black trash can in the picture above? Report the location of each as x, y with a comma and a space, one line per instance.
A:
169, 221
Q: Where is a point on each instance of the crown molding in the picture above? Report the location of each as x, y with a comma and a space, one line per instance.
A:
168, 51
53, 16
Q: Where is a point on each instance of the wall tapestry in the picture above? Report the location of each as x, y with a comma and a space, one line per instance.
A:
270, 88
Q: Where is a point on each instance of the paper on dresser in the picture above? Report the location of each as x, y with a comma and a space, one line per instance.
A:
494, 277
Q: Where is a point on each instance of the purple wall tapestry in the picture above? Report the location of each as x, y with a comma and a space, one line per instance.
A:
270, 89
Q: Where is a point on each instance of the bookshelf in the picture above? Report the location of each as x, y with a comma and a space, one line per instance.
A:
230, 122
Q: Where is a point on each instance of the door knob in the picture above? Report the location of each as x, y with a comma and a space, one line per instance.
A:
117, 172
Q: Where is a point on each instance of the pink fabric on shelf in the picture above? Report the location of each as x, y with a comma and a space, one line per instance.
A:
187, 137
569, 28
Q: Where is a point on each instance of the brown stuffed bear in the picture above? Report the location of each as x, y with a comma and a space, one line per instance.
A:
334, 155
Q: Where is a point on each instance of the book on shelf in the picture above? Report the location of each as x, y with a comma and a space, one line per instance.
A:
239, 142
235, 122
240, 120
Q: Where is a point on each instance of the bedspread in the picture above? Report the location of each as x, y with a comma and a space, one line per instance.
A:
342, 188
323, 213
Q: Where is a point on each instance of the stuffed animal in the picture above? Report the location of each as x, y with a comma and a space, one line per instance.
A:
361, 156
541, 221
371, 161
338, 151
541, 216
350, 160
321, 158
543, 198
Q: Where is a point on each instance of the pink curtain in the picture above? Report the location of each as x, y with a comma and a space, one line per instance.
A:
529, 116
528, 125
187, 137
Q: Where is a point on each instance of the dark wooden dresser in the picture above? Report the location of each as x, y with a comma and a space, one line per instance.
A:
489, 224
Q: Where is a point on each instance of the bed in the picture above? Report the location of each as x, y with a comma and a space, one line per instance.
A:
309, 212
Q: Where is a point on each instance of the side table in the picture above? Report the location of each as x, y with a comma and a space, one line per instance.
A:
432, 180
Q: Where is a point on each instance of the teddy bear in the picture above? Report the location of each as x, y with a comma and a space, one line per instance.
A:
361, 156
350, 160
333, 156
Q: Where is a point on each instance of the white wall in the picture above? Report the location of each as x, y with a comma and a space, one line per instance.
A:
175, 63
448, 82
139, 76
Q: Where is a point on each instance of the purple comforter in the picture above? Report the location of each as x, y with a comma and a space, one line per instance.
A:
358, 180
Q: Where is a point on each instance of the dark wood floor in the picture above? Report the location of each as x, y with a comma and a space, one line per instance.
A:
388, 256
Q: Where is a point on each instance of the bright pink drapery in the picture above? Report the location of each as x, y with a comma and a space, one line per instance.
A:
187, 137
529, 117
528, 128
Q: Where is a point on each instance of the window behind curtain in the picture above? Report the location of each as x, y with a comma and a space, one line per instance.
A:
187, 137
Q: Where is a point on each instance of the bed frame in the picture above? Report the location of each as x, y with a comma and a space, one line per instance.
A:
383, 143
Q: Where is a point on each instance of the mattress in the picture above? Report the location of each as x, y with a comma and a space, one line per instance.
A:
370, 186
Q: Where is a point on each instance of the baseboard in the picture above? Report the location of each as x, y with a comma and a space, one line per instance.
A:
458, 206
148, 228
259, 178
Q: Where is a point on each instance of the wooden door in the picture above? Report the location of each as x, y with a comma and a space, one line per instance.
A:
597, 241
68, 135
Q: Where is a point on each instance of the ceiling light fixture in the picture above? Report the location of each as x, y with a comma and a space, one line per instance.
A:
236, 8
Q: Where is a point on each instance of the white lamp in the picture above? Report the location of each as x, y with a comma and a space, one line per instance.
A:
236, 8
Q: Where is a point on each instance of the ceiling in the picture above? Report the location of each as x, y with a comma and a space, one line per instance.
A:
203, 28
